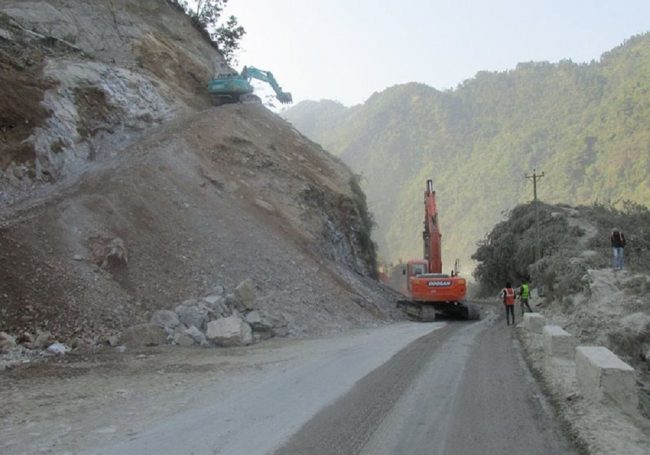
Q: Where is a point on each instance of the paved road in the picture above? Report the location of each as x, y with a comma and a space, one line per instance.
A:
460, 390
441, 388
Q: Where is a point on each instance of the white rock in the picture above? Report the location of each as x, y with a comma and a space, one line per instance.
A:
58, 348
42, 341
254, 318
230, 331
183, 339
196, 335
143, 335
245, 295
191, 316
265, 205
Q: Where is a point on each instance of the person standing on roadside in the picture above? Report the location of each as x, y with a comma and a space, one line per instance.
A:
508, 295
524, 294
618, 243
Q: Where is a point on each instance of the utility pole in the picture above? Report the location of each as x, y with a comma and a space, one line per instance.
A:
535, 177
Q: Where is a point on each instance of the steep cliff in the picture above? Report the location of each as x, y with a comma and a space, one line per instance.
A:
123, 192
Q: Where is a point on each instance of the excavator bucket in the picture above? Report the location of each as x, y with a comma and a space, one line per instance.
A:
285, 97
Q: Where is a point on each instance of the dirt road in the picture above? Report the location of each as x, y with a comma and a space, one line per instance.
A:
403, 388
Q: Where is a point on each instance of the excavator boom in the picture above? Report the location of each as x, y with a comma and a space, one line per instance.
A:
431, 234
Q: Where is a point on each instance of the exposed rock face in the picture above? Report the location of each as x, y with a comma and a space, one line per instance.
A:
115, 67
132, 194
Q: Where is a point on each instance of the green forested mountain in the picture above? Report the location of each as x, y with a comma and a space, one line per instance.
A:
587, 126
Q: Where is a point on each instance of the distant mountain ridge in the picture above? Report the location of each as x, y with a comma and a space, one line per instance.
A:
584, 125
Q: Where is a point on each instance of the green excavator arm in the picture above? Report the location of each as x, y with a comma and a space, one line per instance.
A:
250, 72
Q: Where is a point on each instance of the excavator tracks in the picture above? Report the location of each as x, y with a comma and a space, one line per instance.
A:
425, 312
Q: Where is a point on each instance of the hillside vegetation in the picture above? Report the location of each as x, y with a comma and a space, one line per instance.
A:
584, 125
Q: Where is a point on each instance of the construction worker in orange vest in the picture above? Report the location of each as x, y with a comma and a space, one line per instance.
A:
508, 295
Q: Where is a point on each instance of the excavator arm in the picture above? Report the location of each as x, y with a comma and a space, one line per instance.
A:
431, 234
250, 72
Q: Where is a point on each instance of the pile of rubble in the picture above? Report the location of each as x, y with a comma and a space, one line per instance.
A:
26, 348
216, 319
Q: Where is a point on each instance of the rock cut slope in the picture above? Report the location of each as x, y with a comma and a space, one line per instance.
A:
122, 192
213, 198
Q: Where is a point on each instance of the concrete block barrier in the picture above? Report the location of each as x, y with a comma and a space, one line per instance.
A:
534, 322
558, 342
603, 377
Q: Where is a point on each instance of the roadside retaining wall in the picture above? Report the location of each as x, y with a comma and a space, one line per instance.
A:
534, 322
603, 377
558, 342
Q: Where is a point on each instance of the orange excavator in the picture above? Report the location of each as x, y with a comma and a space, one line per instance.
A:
429, 290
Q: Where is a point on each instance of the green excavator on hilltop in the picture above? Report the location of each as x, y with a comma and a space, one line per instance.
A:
233, 87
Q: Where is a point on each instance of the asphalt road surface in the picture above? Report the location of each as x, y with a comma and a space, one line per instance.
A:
412, 388
463, 389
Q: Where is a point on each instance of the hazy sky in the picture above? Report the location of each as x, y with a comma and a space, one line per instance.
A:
348, 49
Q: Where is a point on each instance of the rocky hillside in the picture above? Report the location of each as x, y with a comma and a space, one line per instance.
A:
574, 283
85, 78
123, 192
584, 125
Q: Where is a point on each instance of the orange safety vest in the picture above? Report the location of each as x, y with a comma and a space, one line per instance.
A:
509, 296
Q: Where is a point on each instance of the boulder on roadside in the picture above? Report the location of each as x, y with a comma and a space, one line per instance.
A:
113, 340
143, 335
254, 318
165, 319
7, 342
43, 340
197, 335
245, 295
216, 304
182, 339
230, 331
280, 331
192, 316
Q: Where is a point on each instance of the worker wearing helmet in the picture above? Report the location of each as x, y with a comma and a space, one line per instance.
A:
508, 295
524, 294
